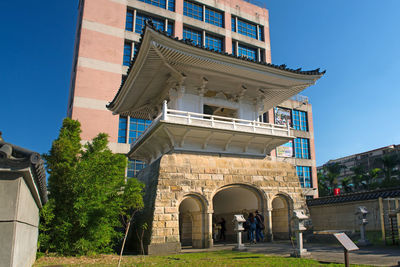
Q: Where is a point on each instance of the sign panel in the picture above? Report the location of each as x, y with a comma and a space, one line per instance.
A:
346, 241
282, 116
285, 150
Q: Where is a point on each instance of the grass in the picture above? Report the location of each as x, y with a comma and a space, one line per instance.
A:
216, 258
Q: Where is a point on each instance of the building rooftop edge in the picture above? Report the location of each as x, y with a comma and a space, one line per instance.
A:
358, 196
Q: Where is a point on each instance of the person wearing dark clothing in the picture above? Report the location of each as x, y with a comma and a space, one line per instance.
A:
222, 223
260, 227
252, 227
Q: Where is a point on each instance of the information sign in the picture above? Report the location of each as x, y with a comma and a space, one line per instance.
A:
346, 241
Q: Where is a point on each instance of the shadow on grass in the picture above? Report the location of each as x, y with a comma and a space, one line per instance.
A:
248, 257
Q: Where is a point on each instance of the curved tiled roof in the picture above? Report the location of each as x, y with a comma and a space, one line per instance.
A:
15, 157
150, 25
359, 196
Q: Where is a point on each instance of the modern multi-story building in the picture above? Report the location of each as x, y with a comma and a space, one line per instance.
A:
107, 38
367, 160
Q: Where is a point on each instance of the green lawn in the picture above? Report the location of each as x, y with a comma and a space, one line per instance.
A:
217, 258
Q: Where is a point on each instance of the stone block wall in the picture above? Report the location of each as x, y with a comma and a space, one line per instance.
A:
175, 177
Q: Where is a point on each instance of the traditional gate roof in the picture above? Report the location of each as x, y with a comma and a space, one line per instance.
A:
163, 62
17, 159
358, 196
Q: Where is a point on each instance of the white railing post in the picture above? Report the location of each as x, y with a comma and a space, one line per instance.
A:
254, 126
164, 110
288, 128
188, 118
234, 124
212, 121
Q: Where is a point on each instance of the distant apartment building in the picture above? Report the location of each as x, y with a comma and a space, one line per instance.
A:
107, 39
366, 160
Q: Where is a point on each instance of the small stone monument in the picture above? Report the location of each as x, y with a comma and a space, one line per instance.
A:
238, 220
299, 219
362, 212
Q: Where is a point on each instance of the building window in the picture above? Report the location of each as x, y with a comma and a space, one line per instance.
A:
171, 5
129, 20
134, 166
159, 24
193, 10
122, 129
233, 23
234, 48
261, 33
159, 3
300, 120
304, 174
135, 49
249, 52
136, 128
214, 17
193, 35
302, 148
247, 28
214, 42
127, 53
170, 29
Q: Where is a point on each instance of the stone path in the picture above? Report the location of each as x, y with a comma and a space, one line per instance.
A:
377, 256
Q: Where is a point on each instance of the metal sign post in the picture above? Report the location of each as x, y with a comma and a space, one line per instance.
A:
347, 244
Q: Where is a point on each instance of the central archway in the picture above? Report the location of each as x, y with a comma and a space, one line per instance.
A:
192, 221
235, 199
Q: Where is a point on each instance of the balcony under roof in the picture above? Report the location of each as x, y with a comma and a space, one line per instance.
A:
181, 131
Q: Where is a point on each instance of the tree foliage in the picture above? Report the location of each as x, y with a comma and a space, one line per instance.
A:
86, 199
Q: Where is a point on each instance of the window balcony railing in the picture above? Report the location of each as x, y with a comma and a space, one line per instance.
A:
215, 122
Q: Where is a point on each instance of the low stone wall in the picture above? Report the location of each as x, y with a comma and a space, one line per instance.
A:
174, 177
341, 216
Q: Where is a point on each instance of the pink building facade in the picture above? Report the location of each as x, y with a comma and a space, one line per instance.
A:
108, 32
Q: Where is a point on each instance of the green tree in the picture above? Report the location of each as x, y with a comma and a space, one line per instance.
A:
346, 185
389, 163
323, 186
328, 178
359, 178
86, 194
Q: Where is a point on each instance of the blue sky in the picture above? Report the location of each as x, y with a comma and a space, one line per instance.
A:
355, 105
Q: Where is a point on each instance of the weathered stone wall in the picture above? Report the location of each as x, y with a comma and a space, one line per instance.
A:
175, 176
341, 216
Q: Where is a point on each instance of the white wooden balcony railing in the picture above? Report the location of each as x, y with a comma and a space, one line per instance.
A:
216, 122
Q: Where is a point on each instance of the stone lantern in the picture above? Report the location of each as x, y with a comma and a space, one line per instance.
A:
362, 212
238, 221
299, 226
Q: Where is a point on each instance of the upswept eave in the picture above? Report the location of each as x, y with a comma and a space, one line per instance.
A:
150, 34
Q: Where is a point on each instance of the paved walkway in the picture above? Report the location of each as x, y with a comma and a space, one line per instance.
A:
377, 256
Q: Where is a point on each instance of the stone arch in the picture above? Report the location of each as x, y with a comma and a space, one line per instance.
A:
282, 208
192, 220
237, 198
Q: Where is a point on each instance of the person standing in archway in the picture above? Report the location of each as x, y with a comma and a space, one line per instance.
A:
260, 227
252, 227
222, 223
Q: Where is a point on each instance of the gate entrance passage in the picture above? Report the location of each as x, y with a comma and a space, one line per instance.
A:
235, 199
